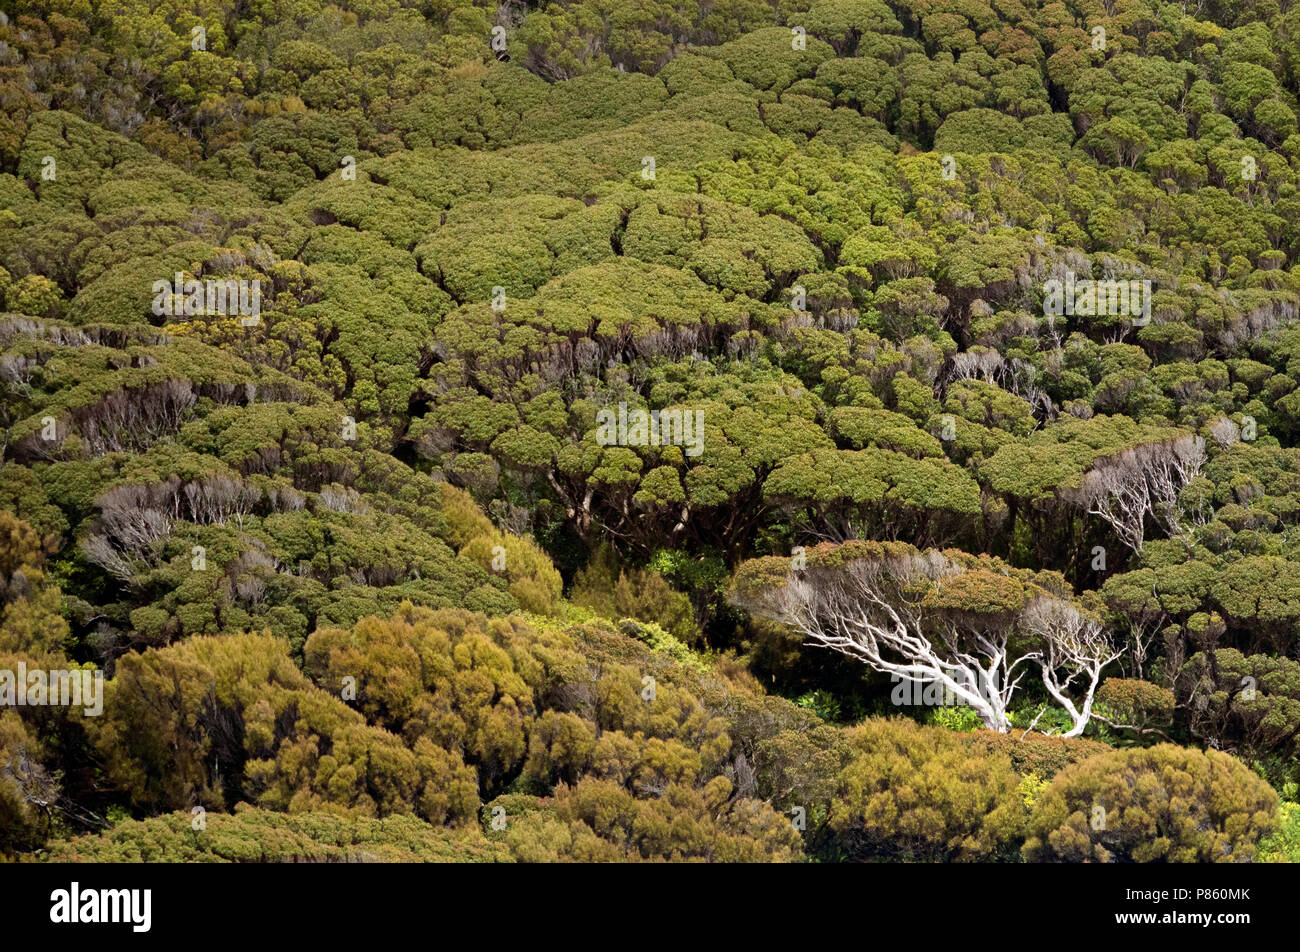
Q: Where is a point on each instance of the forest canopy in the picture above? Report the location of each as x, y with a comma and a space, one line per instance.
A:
581, 430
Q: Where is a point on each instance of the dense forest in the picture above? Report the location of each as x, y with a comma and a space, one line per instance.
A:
609, 430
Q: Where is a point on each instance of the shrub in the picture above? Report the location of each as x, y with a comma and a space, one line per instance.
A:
822, 703
660, 641
24, 783
643, 594
250, 835
597, 820
1284, 845
1034, 753
1136, 703
918, 794
958, 718
530, 576
1155, 804
1249, 704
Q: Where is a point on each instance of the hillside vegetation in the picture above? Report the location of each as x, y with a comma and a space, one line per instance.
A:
975, 322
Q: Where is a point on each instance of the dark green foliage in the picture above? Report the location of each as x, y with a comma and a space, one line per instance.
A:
824, 229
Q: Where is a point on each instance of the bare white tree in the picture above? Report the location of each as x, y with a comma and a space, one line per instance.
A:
1142, 482
133, 520
218, 499
883, 612
1075, 648
101, 552
978, 362
872, 610
1225, 432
